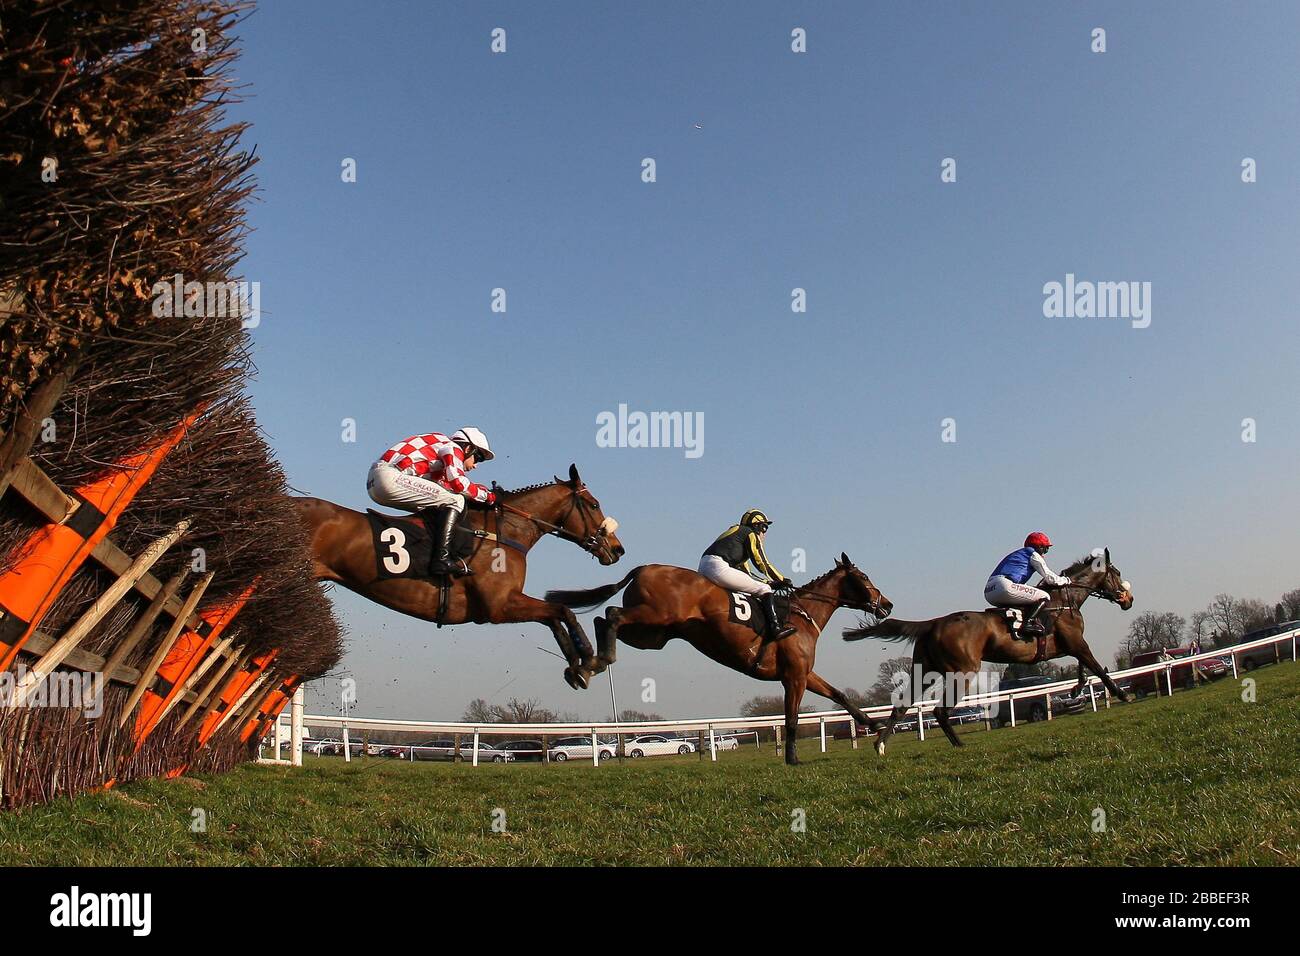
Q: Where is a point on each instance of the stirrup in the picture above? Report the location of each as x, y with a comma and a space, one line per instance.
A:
454, 568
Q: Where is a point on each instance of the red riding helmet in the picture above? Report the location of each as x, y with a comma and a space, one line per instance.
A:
1038, 540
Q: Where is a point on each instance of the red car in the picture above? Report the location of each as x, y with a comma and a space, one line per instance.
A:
1212, 668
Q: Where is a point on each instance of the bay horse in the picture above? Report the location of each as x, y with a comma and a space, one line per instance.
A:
663, 602
956, 643
343, 552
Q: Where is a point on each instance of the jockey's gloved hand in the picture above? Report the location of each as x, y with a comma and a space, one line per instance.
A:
784, 584
1064, 582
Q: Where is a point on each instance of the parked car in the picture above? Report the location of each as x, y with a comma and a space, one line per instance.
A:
1030, 709
530, 750
1211, 668
579, 748
330, 747
907, 724
486, 753
967, 714
1269, 654
726, 743
429, 750
656, 745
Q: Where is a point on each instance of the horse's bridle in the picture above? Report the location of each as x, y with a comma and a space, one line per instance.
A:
1091, 591
591, 543
871, 607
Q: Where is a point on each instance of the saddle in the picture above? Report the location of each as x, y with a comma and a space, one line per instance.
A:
1015, 619
403, 546
744, 610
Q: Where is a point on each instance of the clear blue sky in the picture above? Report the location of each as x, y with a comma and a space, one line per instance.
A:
821, 171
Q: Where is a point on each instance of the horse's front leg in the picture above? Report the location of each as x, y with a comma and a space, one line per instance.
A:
578, 636
819, 686
794, 688
1085, 657
520, 608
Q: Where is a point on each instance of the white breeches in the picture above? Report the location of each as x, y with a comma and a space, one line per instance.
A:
396, 489
724, 575
1001, 591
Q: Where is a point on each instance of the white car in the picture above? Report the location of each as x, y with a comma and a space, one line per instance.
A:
726, 743
579, 748
656, 745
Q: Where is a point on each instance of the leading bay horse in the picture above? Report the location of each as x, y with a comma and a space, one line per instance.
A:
343, 551
663, 602
954, 645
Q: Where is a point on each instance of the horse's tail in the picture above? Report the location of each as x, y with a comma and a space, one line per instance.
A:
890, 630
585, 600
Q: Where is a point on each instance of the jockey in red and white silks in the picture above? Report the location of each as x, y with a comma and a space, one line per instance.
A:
1008, 585
431, 471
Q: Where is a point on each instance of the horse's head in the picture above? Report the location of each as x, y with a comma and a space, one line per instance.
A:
584, 522
1102, 578
856, 590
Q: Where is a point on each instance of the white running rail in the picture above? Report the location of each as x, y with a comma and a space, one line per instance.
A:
713, 725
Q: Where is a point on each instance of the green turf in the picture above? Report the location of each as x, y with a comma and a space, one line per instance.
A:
1200, 778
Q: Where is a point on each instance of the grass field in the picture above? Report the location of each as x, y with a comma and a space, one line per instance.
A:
1200, 778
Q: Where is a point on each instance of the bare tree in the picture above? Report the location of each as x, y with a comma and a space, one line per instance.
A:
479, 711
1290, 604
763, 706
888, 680
633, 715
1150, 632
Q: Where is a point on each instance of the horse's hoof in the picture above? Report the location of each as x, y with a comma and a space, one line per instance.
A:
880, 748
575, 678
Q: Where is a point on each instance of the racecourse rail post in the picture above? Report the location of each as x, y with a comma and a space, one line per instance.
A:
475, 746
295, 727
853, 733
713, 745
1169, 679
822, 732
920, 722
1092, 696
1047, 704
595, 751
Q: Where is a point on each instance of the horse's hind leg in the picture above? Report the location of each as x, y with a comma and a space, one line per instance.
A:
941, 715
607, 638
887, 731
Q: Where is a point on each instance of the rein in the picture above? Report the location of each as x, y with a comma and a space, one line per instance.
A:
575, 501
800, 595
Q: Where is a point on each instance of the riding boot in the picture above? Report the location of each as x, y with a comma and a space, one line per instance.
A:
774, 627
1032, 627
442, 526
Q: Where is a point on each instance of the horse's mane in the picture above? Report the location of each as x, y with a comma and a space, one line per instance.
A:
1078, 566
525, 488
819, 579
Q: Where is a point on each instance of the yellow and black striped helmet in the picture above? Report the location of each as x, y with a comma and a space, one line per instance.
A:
754, 517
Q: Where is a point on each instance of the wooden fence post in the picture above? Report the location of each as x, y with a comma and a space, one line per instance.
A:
141, 628
102, 605
160, 653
